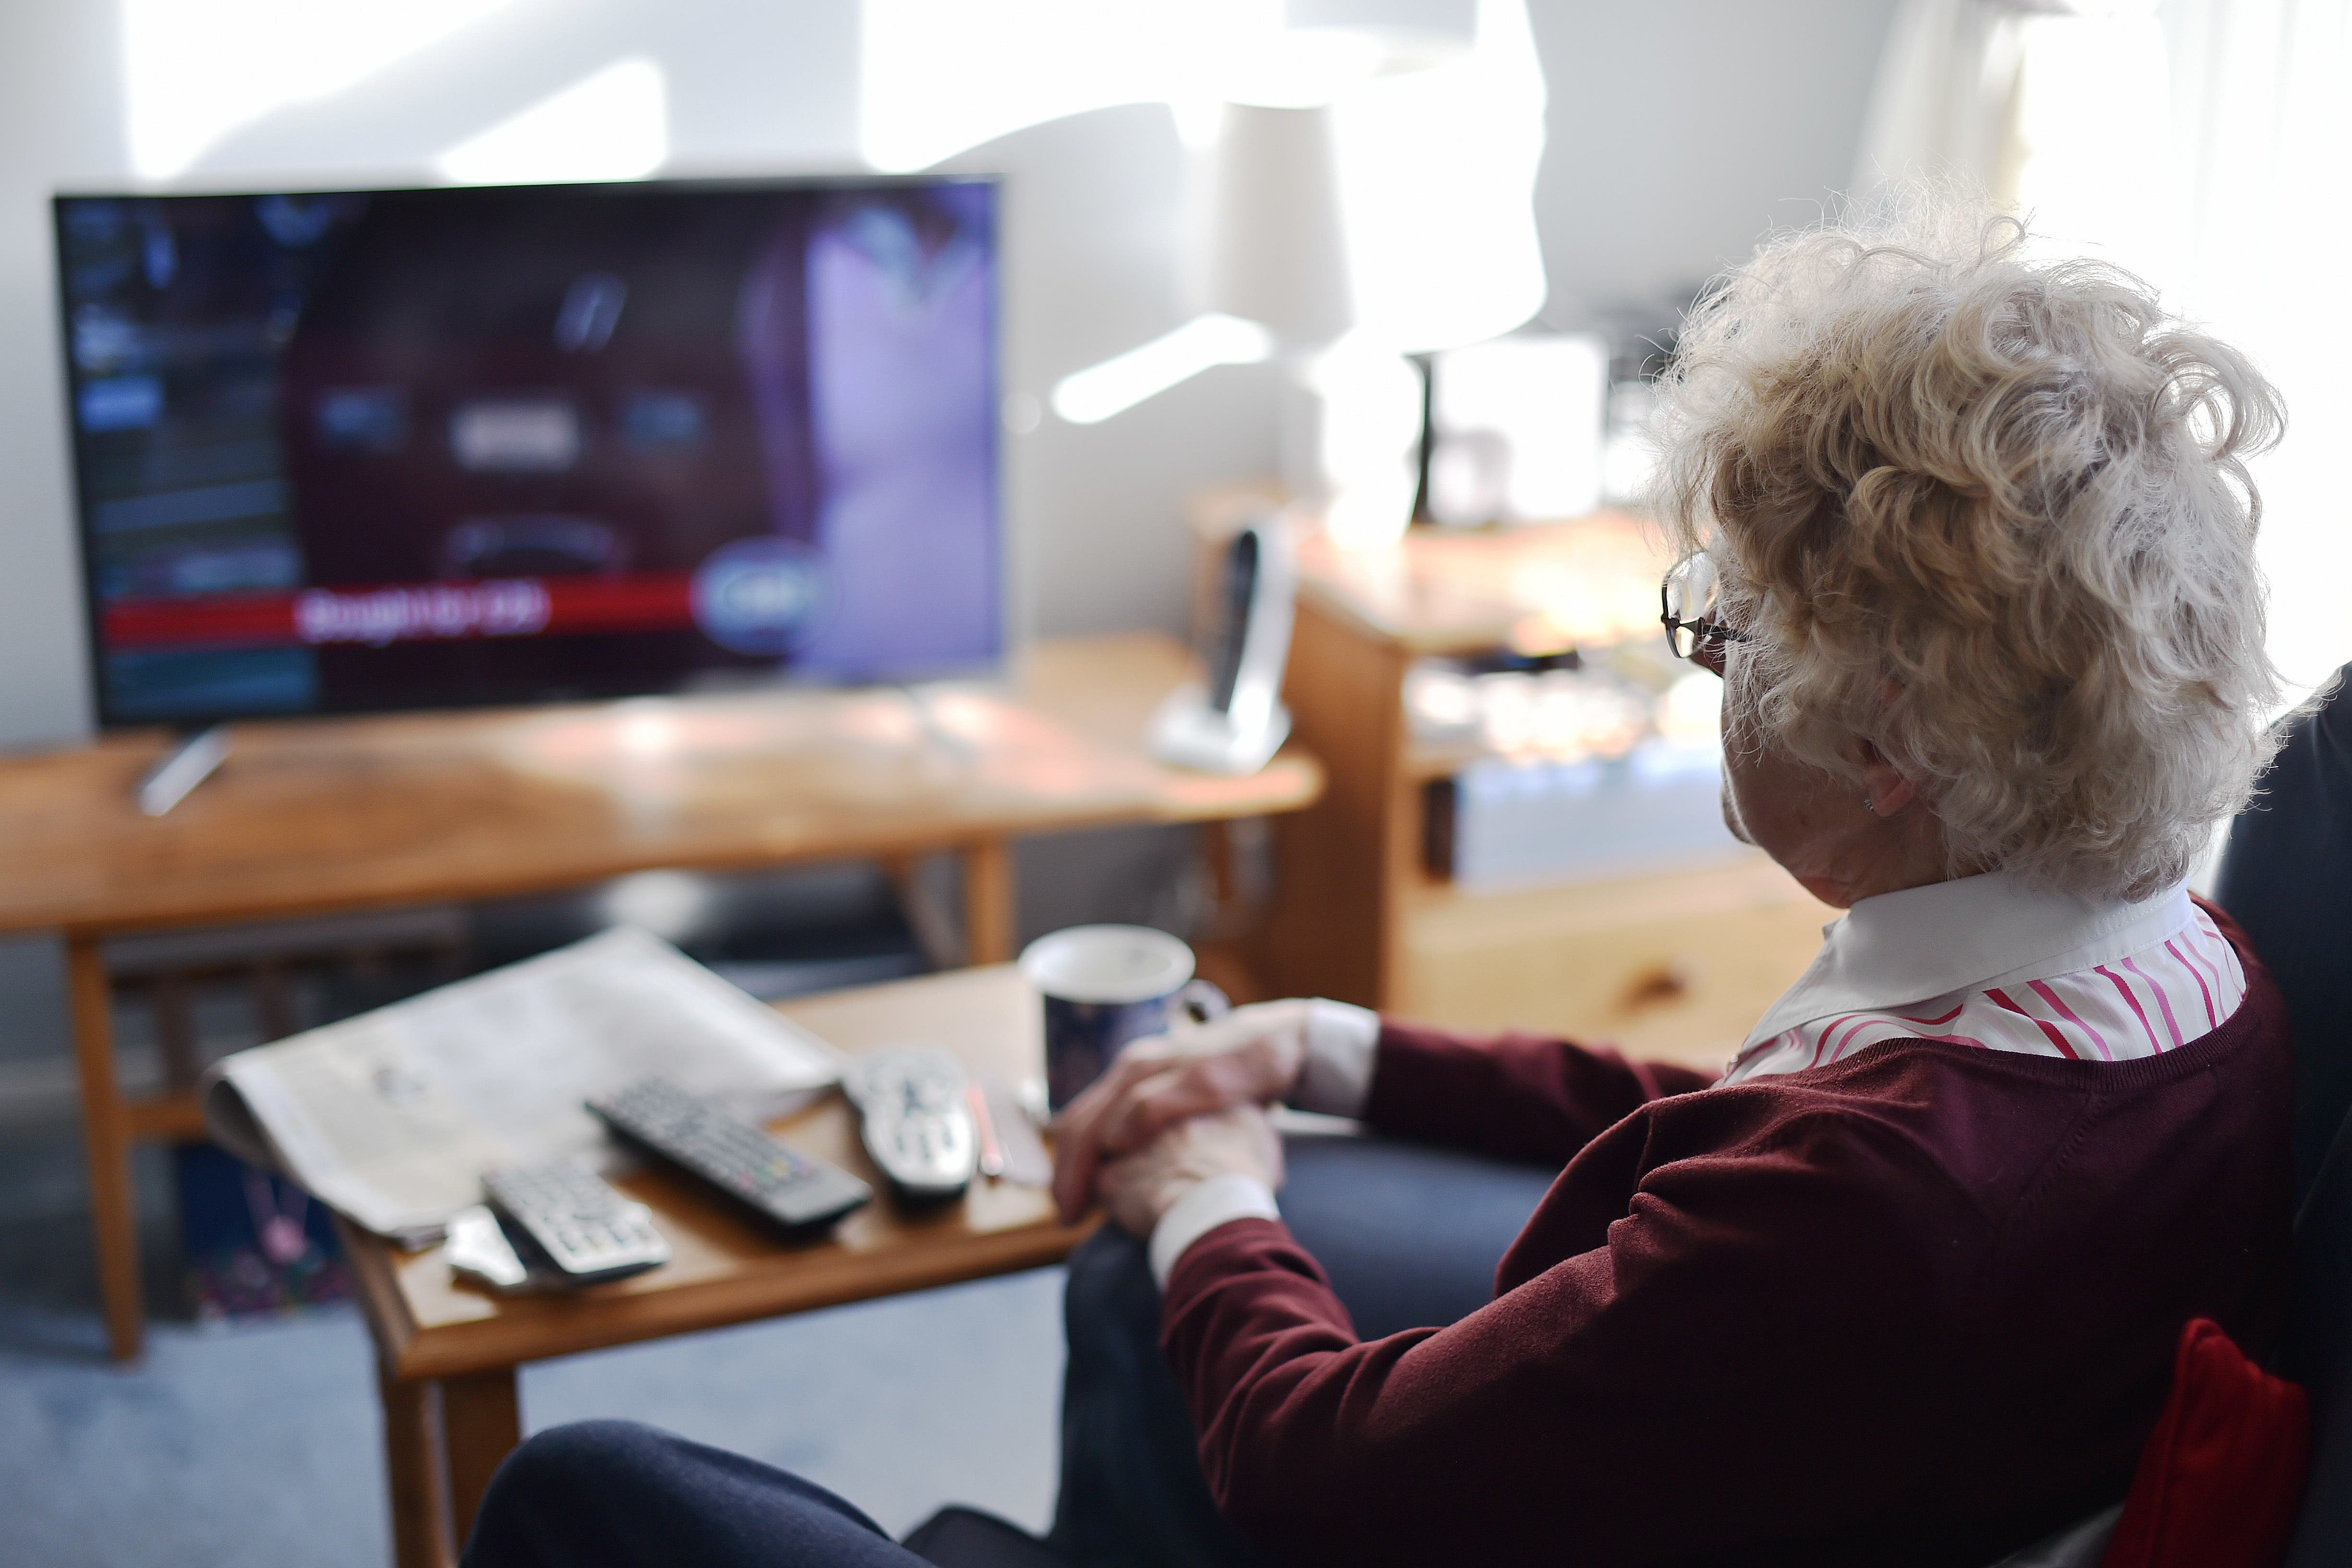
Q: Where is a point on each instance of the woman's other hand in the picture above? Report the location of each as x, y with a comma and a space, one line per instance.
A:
1251, 1056
1238, 1141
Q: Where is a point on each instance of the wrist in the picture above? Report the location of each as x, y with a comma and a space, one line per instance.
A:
1334, 1073
1208, 1203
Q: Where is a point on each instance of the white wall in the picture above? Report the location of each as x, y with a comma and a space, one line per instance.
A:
60, 122
1680, 129
1683, 130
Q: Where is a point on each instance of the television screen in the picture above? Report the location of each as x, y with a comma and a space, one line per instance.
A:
361, 450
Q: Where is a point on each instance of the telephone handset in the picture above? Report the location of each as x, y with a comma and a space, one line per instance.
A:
1237, 721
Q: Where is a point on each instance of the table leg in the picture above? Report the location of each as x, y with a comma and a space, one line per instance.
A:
988, 902
106, 1143
419, 1483
175, 1030
481, 1422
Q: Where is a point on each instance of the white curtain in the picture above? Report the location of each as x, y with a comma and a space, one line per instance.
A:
2262, 115
2206, 144
1943, 108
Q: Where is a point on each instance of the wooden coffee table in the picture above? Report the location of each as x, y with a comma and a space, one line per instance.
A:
447, 1354
319, 817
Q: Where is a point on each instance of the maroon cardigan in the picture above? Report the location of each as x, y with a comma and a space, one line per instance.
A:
1918, 1306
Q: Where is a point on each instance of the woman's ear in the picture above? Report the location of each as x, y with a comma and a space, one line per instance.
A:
1886, 790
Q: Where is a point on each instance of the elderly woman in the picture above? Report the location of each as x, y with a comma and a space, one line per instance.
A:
1967, 537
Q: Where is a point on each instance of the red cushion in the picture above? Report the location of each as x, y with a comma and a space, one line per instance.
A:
2221, 1479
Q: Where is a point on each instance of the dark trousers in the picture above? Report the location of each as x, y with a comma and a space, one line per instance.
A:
599, 1492
1409, 1237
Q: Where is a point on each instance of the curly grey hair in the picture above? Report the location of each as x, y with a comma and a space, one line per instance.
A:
1991, 514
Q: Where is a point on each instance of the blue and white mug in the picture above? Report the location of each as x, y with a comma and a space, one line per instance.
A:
1105, 986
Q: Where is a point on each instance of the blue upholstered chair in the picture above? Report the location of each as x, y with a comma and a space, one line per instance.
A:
2286, 877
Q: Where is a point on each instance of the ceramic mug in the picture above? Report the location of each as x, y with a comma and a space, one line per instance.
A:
1105, 986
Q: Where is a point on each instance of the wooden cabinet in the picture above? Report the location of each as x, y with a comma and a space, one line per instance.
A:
1675, 963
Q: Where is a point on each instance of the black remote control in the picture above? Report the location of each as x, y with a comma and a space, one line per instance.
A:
739, 1159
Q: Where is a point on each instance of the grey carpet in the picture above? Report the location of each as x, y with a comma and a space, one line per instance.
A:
259, 1443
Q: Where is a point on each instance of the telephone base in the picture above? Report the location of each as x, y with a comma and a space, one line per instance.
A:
1189, 733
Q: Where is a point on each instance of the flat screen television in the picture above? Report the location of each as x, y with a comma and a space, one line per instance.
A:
361, 450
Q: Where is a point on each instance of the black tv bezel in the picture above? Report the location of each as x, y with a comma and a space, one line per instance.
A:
93, 641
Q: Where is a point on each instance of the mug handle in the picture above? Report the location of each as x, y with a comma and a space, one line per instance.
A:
1198, 1002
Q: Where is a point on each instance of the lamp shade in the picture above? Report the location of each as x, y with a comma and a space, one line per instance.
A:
1277, 246
1380, 181
1437, 153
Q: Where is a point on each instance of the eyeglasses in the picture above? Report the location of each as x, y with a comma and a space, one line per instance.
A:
1687, 603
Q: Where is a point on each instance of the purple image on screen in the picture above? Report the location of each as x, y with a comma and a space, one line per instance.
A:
901, 376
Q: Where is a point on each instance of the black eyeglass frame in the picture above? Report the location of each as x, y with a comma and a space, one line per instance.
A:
1703, 632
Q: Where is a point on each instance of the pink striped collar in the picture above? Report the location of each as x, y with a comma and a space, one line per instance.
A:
1971, 934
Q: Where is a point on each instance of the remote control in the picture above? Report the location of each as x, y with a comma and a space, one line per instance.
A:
588, 1231
917, 1119
739, 1159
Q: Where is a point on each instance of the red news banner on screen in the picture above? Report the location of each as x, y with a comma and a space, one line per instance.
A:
380, 615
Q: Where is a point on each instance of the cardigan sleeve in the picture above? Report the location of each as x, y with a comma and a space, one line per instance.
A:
1568, 1420
1514, 1096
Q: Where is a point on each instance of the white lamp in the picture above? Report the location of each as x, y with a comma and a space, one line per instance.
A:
1275, 246
1276, 253
1370, 195
1438, 152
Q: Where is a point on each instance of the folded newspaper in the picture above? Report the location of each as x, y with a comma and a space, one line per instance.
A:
392, 1117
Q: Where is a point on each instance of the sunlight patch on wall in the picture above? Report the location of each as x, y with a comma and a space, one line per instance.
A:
937, 77
1118, 383
613, 125
195, 70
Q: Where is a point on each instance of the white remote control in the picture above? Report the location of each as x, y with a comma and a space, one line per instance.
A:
917, 1122
588, 1231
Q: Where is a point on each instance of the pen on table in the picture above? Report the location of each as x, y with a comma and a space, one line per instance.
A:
991, 1152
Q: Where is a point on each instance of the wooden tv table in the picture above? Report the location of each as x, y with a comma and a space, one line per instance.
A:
448, 1353
318, 816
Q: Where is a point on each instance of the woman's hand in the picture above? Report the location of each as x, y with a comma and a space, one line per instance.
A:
1251, 1056
1238, 1141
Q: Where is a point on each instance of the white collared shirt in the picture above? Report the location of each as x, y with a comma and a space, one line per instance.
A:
1982, 961
1989, 962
